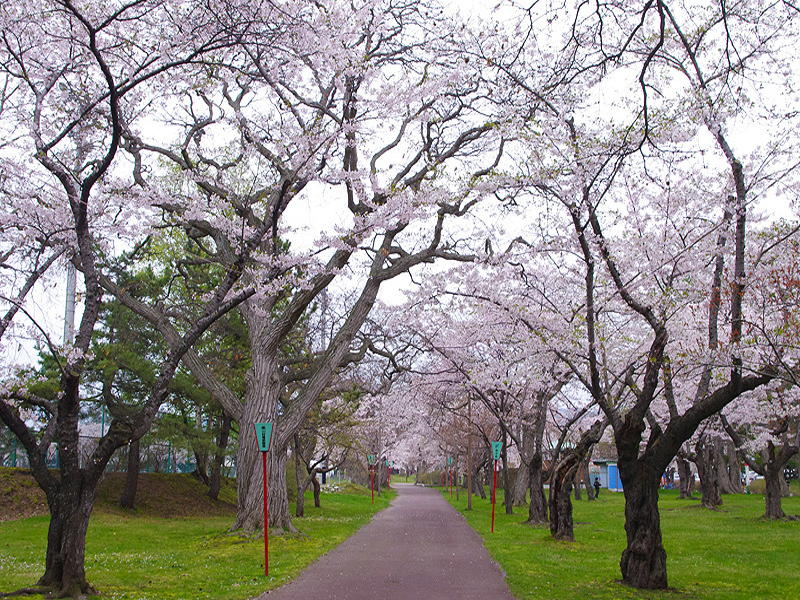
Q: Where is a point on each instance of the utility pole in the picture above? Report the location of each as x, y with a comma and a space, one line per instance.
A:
69, 310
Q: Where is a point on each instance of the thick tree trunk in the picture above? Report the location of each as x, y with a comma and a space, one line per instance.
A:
773, 462
66, 542
219, 458
560, 502
685, 478
250, 486
262, 390
772, 498
644, 561
521, 484
708, 472
577, 483
729, 468
537, 509
131, 476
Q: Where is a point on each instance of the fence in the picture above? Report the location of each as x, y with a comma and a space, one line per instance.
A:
154, 458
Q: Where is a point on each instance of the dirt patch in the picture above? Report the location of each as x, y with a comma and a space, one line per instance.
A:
158, 495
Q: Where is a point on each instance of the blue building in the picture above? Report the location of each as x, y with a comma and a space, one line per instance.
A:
607, 472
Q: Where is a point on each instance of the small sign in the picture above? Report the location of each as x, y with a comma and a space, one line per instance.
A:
449, 460
371, 459
263, 435
497, 448
388, 464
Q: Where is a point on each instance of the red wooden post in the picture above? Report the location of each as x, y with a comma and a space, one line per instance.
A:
266, 518
494, 493
451, 480
371, 484
263, 433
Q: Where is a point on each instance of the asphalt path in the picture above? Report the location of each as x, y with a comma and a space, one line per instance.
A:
418, 547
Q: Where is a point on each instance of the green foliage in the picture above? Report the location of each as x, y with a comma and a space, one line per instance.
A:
728, 554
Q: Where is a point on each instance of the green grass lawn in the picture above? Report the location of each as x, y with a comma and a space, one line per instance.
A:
141, 557
726, 554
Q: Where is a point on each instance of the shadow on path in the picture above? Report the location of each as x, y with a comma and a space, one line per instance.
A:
419, 547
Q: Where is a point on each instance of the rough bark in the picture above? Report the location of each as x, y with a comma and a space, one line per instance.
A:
560, 502
519, 491
772, 496
685, 478
69, 522
774, 461
537, 509
729, 475
219, 458
131, 476
262, 389
707, 469
644, 560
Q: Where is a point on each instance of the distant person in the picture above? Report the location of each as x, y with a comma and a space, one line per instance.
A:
596, 487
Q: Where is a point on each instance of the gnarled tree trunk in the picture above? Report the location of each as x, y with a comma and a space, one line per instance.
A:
644, 560
66, 542
537, 509
707, 469
263, 388
560, 502
685, 478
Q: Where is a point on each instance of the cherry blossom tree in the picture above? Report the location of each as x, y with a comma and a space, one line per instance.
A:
75, 76
364, 109
644, 240
764, 425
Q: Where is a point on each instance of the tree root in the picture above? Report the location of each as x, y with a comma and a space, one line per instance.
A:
27, 592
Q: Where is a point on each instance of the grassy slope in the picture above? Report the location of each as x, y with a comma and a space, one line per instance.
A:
726, 554
154, 553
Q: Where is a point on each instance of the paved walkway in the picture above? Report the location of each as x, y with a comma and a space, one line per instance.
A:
419, 547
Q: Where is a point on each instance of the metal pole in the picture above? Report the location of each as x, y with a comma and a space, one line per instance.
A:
69, 310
